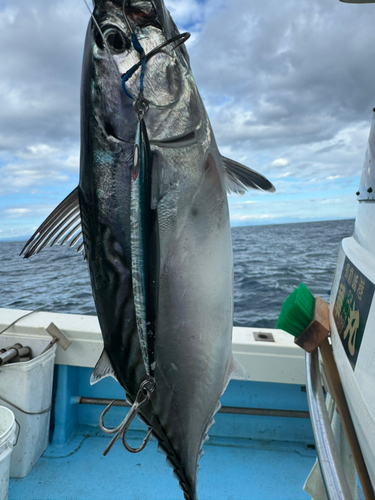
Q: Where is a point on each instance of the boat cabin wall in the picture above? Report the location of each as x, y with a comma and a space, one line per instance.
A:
364, 231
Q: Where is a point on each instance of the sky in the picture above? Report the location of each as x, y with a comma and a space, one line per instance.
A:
289, 88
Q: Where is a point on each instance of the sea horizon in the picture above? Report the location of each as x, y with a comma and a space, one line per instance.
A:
269, 261
26, 237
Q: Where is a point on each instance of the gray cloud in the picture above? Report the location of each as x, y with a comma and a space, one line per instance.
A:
301, 67
290, 81
41, 50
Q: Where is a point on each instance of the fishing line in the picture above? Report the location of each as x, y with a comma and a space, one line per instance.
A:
181, 38
143, 57
104, 40
24, 316
138, 47
126, 17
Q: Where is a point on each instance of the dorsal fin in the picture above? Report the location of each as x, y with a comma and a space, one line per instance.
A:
62, 226
240, 178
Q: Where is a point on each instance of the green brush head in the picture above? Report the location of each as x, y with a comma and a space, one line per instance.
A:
297, 311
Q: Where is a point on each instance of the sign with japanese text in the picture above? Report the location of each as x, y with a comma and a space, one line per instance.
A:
351, 309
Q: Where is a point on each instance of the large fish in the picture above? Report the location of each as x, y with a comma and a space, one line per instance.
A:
159, 253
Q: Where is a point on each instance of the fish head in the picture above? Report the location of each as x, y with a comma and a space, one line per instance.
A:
143, 13
168, 84
106, 112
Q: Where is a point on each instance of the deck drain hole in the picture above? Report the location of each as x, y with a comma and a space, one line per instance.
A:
263, 337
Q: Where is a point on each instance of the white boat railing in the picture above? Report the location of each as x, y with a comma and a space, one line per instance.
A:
268, 355
330, 464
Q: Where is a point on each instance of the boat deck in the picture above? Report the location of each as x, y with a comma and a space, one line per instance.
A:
230, 469
266, 454
247, 456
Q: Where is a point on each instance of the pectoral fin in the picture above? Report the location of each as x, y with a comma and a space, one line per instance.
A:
237, 371
63, 225
240, 178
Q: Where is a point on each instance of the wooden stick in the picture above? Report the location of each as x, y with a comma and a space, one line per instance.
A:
340, 399
316, 334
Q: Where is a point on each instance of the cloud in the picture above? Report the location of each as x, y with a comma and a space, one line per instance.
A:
72, 162
287, 86
38, 151
40, 62
38, 165
295, 72
186, 12
17, 212
284, 210
19, 220
280, 162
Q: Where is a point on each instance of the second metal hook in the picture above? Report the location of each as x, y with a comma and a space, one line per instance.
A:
146, 389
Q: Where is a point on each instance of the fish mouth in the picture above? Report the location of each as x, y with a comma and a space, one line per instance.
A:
143, 13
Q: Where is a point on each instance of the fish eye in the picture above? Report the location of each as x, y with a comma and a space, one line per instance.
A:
115, 39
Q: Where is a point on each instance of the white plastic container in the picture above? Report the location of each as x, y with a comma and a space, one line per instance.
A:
26, 388
7, 437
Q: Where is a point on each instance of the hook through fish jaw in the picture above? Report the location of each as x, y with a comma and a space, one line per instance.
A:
144, 393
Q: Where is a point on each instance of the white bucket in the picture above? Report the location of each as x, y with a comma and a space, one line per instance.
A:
7, 437
26, 389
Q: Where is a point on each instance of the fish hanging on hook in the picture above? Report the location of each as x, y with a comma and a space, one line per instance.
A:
158, 246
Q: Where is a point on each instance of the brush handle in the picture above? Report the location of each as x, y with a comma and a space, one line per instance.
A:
340, 399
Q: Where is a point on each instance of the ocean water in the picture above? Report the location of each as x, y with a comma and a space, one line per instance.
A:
269, 262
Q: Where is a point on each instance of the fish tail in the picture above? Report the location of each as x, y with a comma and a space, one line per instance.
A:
188, 482
188, 486
186, 478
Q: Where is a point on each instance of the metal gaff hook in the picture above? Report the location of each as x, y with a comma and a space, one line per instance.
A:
101, 421
146, 389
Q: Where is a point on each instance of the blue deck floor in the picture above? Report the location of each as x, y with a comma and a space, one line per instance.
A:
247, 457
230, 469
